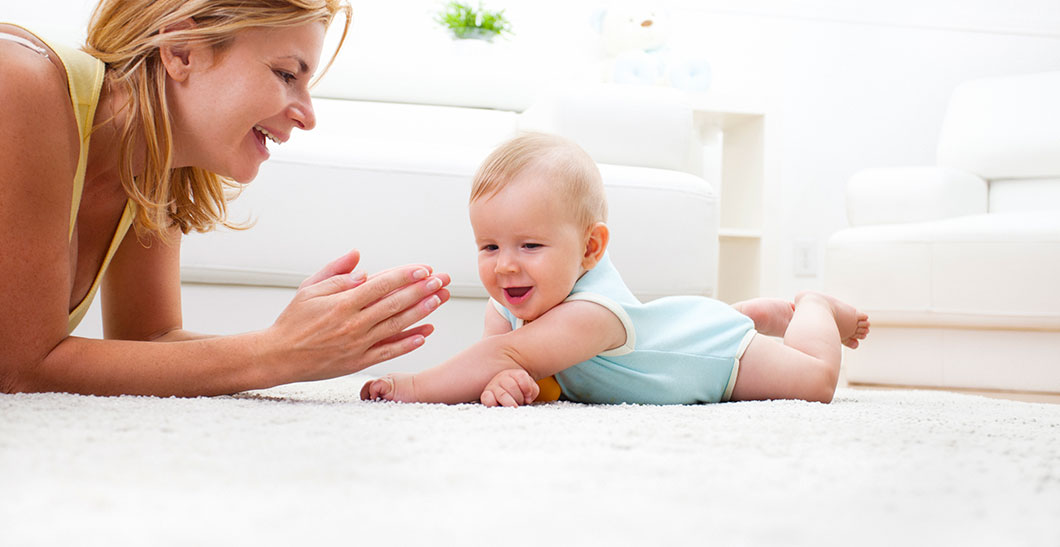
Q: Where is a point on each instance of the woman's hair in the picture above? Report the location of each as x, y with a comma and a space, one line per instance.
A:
126, 35
561, 160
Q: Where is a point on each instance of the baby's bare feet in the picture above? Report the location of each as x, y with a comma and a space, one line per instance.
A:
770, 315
392, 387
853, 325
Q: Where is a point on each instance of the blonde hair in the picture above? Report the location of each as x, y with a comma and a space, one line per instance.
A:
561, 160
126, 35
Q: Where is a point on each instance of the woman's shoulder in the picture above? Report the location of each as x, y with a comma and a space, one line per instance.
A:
39, 140
30, 76
35, 102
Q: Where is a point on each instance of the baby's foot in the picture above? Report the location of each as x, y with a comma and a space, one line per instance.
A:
392, 387
853, 325
770, 315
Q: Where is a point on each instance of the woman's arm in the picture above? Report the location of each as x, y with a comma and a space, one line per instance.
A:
141, 290
337, 324
38, 156
564, 336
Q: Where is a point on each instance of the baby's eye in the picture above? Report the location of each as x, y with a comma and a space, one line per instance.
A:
533, 245
488, 247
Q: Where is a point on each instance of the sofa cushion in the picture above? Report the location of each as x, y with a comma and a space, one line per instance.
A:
1005, 127
655, 122
913, 194
663, 226
994, 270
1011, 195
388, 135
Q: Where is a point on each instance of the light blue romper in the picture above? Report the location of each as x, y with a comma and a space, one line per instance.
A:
678, 350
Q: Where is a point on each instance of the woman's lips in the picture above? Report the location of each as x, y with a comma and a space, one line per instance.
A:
259, 140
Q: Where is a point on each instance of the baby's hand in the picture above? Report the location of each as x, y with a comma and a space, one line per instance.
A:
512, 387
392, 387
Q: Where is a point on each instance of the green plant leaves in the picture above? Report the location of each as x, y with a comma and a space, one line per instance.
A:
465, 21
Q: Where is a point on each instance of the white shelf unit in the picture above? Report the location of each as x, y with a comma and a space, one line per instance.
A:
730, 152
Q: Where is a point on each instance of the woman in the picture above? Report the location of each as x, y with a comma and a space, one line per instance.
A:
172, 99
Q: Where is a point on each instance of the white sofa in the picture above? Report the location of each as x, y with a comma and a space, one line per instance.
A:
392, 180
958, 264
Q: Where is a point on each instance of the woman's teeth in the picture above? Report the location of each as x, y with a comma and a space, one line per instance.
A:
265, 132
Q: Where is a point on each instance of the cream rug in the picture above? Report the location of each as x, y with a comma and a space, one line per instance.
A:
310, 464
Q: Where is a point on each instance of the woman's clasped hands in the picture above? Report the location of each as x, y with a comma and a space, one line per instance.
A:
342, 321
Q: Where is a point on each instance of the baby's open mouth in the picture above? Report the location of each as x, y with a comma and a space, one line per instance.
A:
516, 292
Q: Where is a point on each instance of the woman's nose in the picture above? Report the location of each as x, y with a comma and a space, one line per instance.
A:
303, 114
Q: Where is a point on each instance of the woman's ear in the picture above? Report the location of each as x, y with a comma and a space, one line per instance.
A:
595, 245
180, 57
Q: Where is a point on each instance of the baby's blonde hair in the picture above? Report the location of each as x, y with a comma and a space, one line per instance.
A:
561, 160
126, 35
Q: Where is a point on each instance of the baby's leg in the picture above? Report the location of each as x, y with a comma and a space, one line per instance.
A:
806, 364
771, 315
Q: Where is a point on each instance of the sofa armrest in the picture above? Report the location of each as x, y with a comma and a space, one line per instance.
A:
913, 194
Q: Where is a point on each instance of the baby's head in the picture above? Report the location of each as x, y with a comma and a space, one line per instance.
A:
569, 171
538, 210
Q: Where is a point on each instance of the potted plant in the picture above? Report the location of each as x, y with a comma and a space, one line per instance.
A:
464, 21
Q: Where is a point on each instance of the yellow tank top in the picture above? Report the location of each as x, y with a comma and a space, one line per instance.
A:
84, 73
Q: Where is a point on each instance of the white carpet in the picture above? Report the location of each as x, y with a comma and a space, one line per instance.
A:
310, 464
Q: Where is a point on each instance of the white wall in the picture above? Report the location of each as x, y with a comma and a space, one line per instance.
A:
854, 83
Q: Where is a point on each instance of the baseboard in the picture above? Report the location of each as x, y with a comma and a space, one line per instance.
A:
1024, 396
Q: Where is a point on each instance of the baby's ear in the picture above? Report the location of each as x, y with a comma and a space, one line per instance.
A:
595, 245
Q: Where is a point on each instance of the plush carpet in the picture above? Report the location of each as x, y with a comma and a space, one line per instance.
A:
310, 464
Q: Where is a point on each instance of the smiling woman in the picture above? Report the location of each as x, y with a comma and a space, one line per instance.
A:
263, 77
146, 45
170, 104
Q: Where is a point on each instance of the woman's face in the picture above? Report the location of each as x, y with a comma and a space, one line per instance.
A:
232, 104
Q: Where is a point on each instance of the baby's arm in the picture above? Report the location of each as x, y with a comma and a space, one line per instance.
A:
564, 336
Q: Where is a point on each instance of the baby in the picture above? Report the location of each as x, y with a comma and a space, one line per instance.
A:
559, 309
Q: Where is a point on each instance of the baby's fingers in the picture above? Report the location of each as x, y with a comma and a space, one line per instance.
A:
505, 399
529, 387
366, 390
377, 389
514, 393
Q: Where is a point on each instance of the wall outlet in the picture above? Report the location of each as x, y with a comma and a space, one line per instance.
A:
805, 259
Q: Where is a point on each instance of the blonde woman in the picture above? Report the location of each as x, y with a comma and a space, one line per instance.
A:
109, 155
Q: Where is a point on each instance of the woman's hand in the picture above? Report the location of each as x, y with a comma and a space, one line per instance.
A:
341, 321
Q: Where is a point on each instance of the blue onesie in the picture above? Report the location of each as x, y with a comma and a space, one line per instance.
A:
678, 350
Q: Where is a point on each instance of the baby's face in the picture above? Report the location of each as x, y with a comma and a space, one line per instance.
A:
530, 248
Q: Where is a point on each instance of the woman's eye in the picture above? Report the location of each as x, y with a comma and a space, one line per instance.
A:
287, 77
